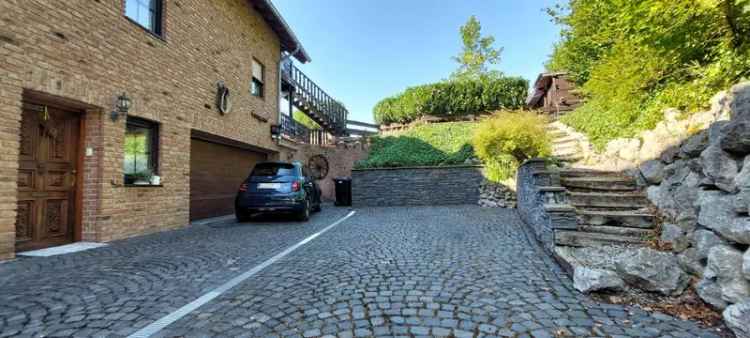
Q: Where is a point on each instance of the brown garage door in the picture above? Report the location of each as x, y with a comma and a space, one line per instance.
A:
216, 171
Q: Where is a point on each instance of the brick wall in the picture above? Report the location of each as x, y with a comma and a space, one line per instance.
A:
88, 52
341, 159
416, 186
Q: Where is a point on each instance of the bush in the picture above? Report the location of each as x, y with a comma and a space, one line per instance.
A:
453, 99
508, 138
425, 145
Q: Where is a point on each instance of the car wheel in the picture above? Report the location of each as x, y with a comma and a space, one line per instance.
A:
304, 215
242, 217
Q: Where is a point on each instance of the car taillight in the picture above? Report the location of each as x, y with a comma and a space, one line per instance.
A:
243, 187
295, 186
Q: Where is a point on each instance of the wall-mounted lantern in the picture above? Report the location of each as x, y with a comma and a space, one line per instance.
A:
122, 106
275, 131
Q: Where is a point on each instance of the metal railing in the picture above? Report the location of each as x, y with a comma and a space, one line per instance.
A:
314, 101
300, 133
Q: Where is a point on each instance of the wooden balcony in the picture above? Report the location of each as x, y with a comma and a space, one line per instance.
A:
308, 97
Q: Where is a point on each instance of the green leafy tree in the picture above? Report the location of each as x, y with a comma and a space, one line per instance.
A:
633, 59
477, 52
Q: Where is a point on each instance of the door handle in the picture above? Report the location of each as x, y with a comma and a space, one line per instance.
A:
73, 174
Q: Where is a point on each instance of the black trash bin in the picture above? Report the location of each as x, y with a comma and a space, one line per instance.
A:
343, 191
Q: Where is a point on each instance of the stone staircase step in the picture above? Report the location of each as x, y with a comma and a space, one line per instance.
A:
580, 239
600, 183
556, 134
632, 219
571, 158
601, 199
590, 173
565, 152
615, 230
564, 140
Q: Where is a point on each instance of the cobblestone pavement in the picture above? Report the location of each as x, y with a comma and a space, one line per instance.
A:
114, 290
425, 271
413, 272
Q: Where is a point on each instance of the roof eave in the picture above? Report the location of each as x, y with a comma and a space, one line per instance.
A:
289, 41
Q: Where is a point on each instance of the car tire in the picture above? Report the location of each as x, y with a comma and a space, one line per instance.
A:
304, 215
242, 217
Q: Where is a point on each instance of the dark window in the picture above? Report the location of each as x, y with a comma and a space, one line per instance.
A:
141, 150
256, 88
273, 169
146, 13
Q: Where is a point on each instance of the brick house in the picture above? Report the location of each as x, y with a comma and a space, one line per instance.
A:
74, 164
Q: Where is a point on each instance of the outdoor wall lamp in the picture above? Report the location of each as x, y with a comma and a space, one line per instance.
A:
122, 105
275, 131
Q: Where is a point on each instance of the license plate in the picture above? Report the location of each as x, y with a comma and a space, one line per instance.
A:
275, 186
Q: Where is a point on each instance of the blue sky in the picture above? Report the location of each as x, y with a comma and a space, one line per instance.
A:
365, 50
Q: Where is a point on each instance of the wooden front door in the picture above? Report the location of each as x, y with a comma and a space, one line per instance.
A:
47, 177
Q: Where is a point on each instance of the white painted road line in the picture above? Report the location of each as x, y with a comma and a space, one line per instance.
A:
163, 322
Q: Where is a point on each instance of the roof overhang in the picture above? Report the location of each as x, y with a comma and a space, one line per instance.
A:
289, 42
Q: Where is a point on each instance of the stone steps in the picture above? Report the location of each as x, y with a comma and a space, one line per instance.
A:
581, 239
578, 172
599, 183
614, 230
625, 200
633, 219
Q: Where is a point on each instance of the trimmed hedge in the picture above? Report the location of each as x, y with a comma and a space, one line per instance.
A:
453, 99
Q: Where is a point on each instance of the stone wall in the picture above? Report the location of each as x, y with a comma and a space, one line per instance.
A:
702, 188
416, 186
697, 173
542, 202
628, 153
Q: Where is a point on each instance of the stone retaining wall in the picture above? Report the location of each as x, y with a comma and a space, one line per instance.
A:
542, 202
416, 186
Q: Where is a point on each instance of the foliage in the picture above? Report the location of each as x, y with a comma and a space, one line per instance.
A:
305, 120
633, 59
477, 51
486, 93
509, 138
424, 145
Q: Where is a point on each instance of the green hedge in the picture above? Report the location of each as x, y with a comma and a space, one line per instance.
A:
453, 99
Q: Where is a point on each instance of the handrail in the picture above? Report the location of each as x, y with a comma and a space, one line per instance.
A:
328, 112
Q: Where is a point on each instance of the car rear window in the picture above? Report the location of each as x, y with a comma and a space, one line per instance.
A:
273, 169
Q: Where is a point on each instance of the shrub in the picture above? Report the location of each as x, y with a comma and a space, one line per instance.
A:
424, 145
633, 59
509, 138
453, 99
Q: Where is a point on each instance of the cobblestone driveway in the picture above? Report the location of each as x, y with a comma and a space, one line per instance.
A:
448, 271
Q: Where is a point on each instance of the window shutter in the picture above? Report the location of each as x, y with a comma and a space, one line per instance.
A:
257, 70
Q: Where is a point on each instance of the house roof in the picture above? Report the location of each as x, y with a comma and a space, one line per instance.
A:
289, 42
543, 81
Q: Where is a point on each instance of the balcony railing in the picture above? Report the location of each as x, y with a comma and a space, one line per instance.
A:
309, 98
298, 132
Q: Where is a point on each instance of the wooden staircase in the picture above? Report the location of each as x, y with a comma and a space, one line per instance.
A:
610, 209
309, 98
